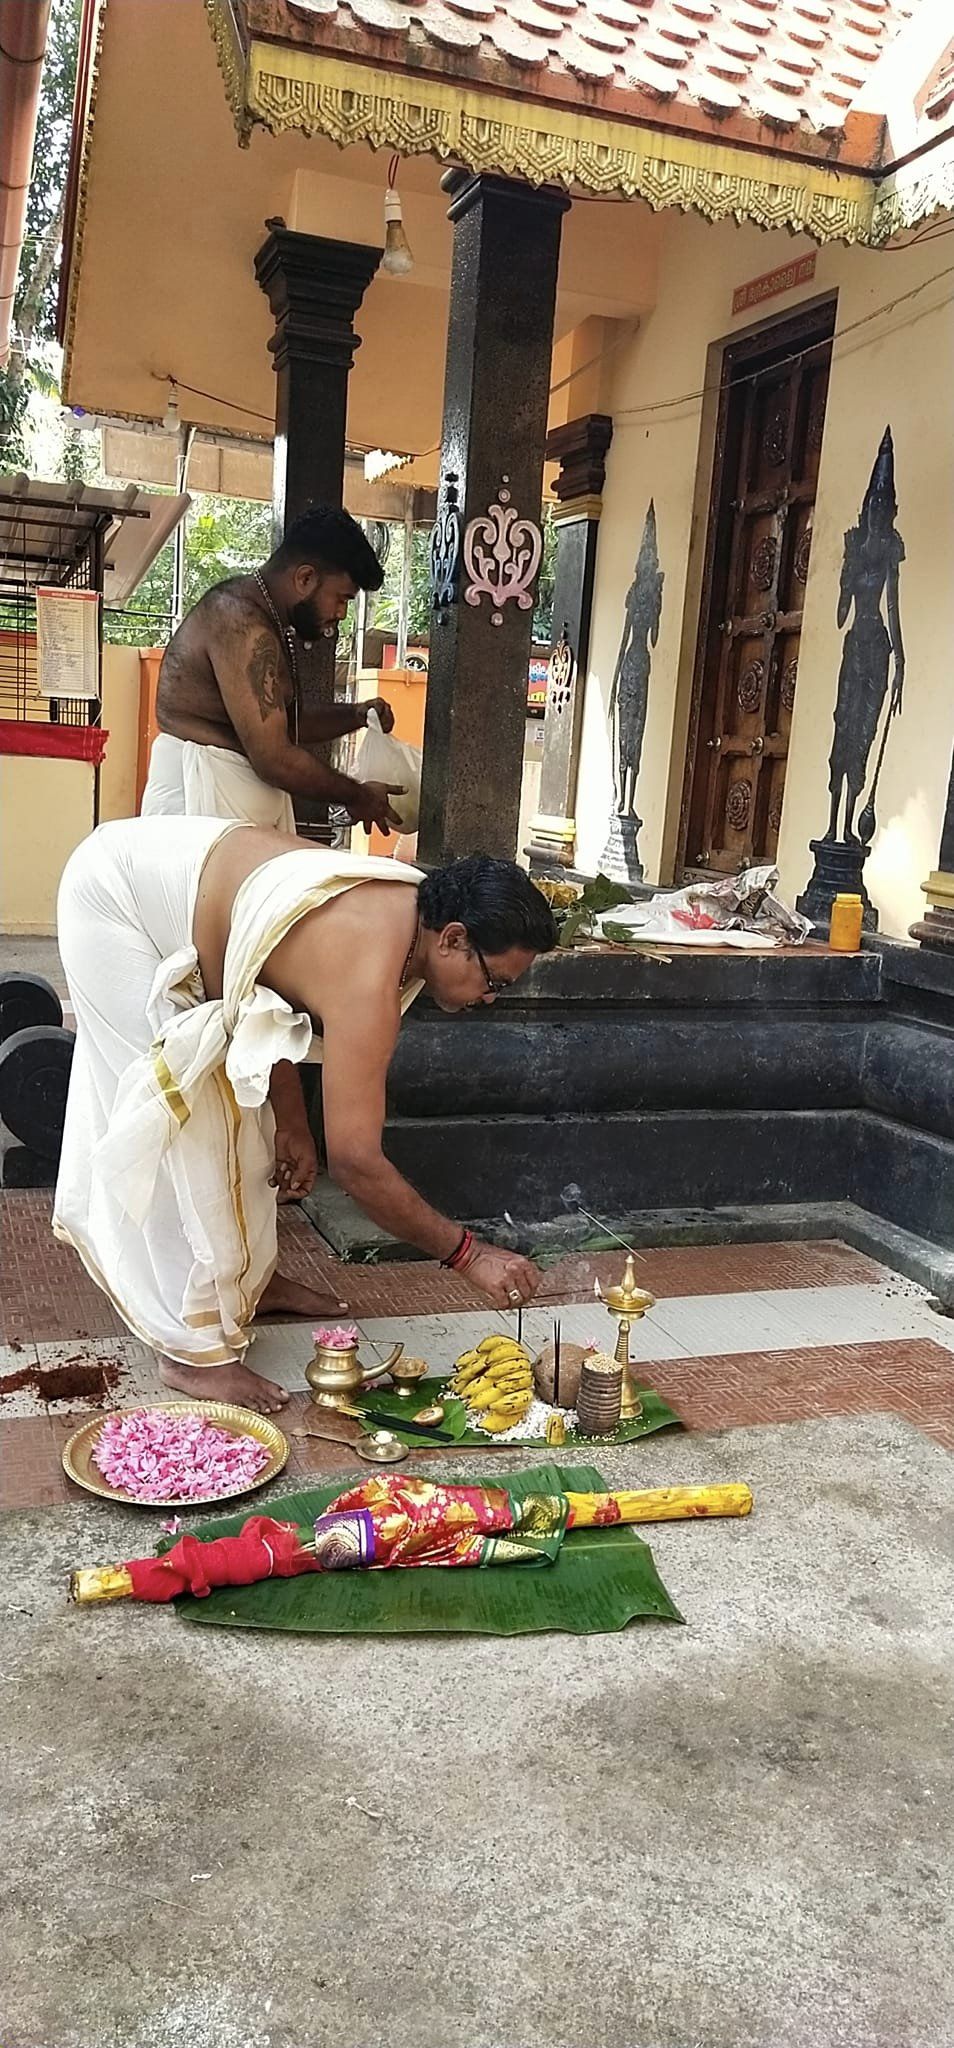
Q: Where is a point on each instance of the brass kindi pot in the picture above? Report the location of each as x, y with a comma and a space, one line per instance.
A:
335, 1373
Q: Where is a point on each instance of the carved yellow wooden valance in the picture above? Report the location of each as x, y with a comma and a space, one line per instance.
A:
293, 88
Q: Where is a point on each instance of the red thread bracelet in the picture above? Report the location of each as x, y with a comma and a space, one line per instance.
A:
459, 1257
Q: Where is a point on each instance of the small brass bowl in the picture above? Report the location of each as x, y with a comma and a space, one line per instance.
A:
381, 1448
406, 1375
430, 1417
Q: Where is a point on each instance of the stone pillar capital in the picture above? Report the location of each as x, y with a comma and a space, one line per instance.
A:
466, 189
314, 286
580, 448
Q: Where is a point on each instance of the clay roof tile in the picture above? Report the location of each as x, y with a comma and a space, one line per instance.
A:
527, 14
520, 45
450, 31
790, 64
590, 65
714, 93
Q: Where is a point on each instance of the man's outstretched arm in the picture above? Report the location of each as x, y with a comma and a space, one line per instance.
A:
248, 668
332, 721
360, 1033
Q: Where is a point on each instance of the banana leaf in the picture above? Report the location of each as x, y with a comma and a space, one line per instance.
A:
602, 1579
656, 1415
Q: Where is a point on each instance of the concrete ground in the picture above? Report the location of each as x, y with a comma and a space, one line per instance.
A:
25, 955
736, 1834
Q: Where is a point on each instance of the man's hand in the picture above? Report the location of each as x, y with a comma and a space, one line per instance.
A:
384, 711
372, 808
509, 1280
296, 1162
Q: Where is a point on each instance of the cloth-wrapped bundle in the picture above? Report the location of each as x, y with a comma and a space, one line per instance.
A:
398, 1522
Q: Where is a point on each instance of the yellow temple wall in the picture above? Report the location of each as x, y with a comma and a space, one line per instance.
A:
46, 806
117, 779
894, 369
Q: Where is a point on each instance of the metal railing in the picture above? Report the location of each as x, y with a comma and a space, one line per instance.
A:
20, 695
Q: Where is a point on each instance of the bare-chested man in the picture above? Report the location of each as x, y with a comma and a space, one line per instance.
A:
201, 957
233, 741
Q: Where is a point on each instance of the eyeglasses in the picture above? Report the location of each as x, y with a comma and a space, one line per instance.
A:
494, 988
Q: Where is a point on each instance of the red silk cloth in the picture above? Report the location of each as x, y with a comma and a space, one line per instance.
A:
53, 742
264, 1550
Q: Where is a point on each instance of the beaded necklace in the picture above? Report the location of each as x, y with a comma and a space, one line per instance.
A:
287, 639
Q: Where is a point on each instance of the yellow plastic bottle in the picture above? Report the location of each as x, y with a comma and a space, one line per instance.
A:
844, 933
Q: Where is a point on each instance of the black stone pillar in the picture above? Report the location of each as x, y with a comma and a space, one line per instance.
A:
314, 287
496, 391
936, 928
580, 448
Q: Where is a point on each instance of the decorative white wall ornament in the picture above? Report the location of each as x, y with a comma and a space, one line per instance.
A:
501, 556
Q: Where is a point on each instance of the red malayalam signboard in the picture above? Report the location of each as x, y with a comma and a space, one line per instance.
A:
772, 282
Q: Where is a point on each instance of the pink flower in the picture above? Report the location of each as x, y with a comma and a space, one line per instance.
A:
343, 1337
153, 1456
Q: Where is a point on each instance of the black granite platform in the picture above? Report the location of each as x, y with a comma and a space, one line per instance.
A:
736, 1091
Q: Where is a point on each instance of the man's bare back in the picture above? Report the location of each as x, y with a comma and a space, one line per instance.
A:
362, 935
229, 622
227, 680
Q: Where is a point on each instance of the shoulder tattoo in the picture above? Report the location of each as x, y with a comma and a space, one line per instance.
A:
263, 675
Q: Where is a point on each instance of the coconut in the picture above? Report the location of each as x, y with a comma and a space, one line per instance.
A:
571, 1363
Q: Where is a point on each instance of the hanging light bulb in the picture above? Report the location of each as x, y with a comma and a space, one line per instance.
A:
397, 258
170, 418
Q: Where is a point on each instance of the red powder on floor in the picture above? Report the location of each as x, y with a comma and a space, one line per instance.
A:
74, 1380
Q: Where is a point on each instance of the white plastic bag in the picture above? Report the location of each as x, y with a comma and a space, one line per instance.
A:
382, 758
738, 910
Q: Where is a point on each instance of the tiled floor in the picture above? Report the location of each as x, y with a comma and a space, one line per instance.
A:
739, 1335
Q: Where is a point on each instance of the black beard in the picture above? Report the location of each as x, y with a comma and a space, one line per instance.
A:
308, 623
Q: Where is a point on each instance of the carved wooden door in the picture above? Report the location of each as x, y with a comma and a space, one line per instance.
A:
767, 459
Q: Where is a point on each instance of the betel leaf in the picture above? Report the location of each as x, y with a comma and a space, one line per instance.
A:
598, 895
603, 894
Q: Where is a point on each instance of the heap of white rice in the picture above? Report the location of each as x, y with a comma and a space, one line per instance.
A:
533, 1424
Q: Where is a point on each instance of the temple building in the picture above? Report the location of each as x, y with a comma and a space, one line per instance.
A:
675, 274
678, 266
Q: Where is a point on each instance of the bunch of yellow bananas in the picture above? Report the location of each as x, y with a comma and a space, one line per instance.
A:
496, 1382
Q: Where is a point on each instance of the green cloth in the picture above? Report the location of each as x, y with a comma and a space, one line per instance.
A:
656, 1415
600, 1580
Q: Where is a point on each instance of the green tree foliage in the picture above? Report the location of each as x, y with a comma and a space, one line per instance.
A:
224, 537
32, 364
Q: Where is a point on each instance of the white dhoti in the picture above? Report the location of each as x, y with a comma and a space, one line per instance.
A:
168, 1147
186, 780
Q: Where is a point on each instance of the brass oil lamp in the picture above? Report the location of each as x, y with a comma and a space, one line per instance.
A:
628, 1303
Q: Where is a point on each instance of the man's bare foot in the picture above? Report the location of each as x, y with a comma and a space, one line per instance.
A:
283, 1297
223, 1383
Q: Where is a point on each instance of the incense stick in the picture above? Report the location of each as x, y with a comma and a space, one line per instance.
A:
607, 1232
556, 1361
520, 1324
